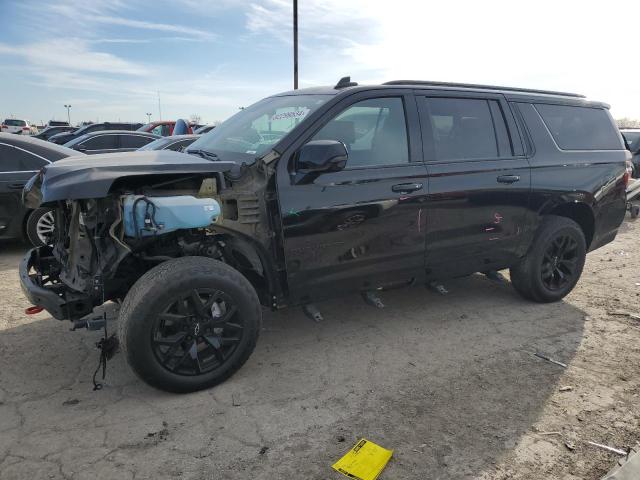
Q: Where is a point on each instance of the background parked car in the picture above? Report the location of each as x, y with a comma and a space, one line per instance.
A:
110, 141
19, 126
204, 129
632, 139
176, 143
164, 128
57, 123
20, 158
49, 132
63, 138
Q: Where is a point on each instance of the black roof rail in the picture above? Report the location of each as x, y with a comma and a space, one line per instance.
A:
345, 82
483, 87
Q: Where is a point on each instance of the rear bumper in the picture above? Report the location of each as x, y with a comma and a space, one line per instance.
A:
56, 299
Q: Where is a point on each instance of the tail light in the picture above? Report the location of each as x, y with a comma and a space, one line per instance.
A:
25, 128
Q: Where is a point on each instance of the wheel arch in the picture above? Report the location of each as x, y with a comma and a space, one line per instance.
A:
579, 212
247, 255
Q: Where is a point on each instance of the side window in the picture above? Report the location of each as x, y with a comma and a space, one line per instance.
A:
29, 162
9, 162
580, 128
463, 129
100, 142
134, 141
16, 160
157, 130
374, 131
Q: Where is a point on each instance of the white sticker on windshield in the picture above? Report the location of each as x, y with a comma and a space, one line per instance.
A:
251, 151
290, 114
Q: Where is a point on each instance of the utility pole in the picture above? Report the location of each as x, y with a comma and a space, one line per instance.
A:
159, 107
295, 44
148, 117
68, 107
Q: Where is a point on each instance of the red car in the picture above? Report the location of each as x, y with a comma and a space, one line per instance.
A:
163, 128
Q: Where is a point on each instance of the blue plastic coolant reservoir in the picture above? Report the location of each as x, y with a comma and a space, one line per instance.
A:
158, 215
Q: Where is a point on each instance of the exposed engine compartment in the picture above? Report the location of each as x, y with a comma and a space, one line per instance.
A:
101, 246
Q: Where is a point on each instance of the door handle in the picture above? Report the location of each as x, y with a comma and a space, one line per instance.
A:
406, 187
16, 186
508, 178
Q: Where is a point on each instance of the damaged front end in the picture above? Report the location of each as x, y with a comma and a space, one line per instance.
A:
116, 217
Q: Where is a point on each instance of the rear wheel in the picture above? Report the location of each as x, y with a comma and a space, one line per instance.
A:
40, 226
554, 263
189, 324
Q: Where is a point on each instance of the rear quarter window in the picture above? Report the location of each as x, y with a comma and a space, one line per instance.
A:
580, 128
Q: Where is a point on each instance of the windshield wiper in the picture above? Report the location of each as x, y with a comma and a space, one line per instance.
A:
204, 154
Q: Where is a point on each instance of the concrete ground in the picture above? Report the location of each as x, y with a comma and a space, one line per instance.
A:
450, 383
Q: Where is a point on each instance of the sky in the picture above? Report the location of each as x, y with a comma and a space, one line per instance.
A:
111, 59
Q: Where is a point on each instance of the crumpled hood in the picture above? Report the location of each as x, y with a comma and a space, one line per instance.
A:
91, 176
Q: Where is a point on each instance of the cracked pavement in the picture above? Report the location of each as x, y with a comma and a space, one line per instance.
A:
449, 382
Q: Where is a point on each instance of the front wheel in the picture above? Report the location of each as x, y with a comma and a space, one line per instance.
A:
189, 324
554, 263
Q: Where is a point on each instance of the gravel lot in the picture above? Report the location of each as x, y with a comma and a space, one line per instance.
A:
449, 382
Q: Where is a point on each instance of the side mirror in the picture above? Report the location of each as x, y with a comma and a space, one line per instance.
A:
320, 156
81, 148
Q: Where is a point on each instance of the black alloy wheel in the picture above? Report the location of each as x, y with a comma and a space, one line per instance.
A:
189, 324
197, 333
559, 262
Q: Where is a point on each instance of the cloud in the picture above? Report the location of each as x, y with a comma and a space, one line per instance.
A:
60, 55
160, 27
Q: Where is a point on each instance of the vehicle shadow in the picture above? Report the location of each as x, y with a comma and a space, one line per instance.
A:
449, 382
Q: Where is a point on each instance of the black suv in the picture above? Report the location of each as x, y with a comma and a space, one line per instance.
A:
315, 193
65, 137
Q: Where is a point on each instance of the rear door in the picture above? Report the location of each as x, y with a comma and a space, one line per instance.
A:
479, 182
360, 227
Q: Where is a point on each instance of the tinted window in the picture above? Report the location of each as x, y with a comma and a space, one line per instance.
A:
374, 131
580, 128
15, 123
100, 142
632, 139
15, 160
463, 128
8, 160
134, 141
29, 161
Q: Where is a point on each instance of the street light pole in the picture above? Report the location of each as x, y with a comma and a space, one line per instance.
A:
295, 44
68, 107
148, 117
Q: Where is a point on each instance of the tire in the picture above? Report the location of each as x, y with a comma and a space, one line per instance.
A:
173, 345
548, 273
40, 226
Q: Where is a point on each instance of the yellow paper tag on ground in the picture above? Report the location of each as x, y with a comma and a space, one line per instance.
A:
365, 461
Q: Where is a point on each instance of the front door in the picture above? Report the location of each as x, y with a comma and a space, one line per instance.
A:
362, 227
17, 166
479, 183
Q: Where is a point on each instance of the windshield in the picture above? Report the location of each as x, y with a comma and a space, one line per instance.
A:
633, 140
251, 132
